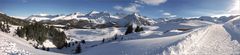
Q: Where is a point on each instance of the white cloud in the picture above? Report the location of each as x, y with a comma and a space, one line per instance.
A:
151, 2
133, 7
235, 7
166, 13
19, 17
173, 16
118, 7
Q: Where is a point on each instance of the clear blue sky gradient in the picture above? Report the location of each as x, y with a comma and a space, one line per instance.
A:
181, 8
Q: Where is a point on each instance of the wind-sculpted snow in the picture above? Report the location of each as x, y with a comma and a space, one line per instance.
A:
233, 27
211, 40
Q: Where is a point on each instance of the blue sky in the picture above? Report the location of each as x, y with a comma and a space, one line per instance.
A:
149, 8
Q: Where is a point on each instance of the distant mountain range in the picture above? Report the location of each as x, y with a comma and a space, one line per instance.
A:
94, 18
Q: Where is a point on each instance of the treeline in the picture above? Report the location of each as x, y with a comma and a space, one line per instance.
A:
5, 22
13, 21
130, 29
4, 26
39, 33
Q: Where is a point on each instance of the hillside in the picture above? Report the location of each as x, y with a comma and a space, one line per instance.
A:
13, 45
12, 20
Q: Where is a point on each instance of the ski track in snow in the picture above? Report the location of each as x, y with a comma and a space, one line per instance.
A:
213, 40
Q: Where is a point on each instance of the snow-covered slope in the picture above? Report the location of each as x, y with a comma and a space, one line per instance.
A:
93, 34
150, 46
216, 39
211, 40
9, 48
233, 27
17, 46
10, 44
19, 17
152, 41
76, 15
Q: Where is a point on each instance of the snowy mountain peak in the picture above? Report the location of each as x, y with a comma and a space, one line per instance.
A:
137, 19
96, 13
133, 16
77, 13
1, 13
44, 15
93, 12
40, 17
136, 14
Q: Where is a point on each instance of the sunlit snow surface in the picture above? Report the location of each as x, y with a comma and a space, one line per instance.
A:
167, 38
10, 48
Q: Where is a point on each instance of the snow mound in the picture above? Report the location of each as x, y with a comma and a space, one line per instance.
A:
211, 40
233, 26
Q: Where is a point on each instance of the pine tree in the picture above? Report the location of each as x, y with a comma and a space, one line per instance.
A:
72, 44
115, 37
129, 30
39, 33
59, 40
83, 41
35, 46
69, 45
7, 27
103, 40
43, 48
18, 32
4, 26
76, 42
138, 29
78, 49
47, 49
141, 29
